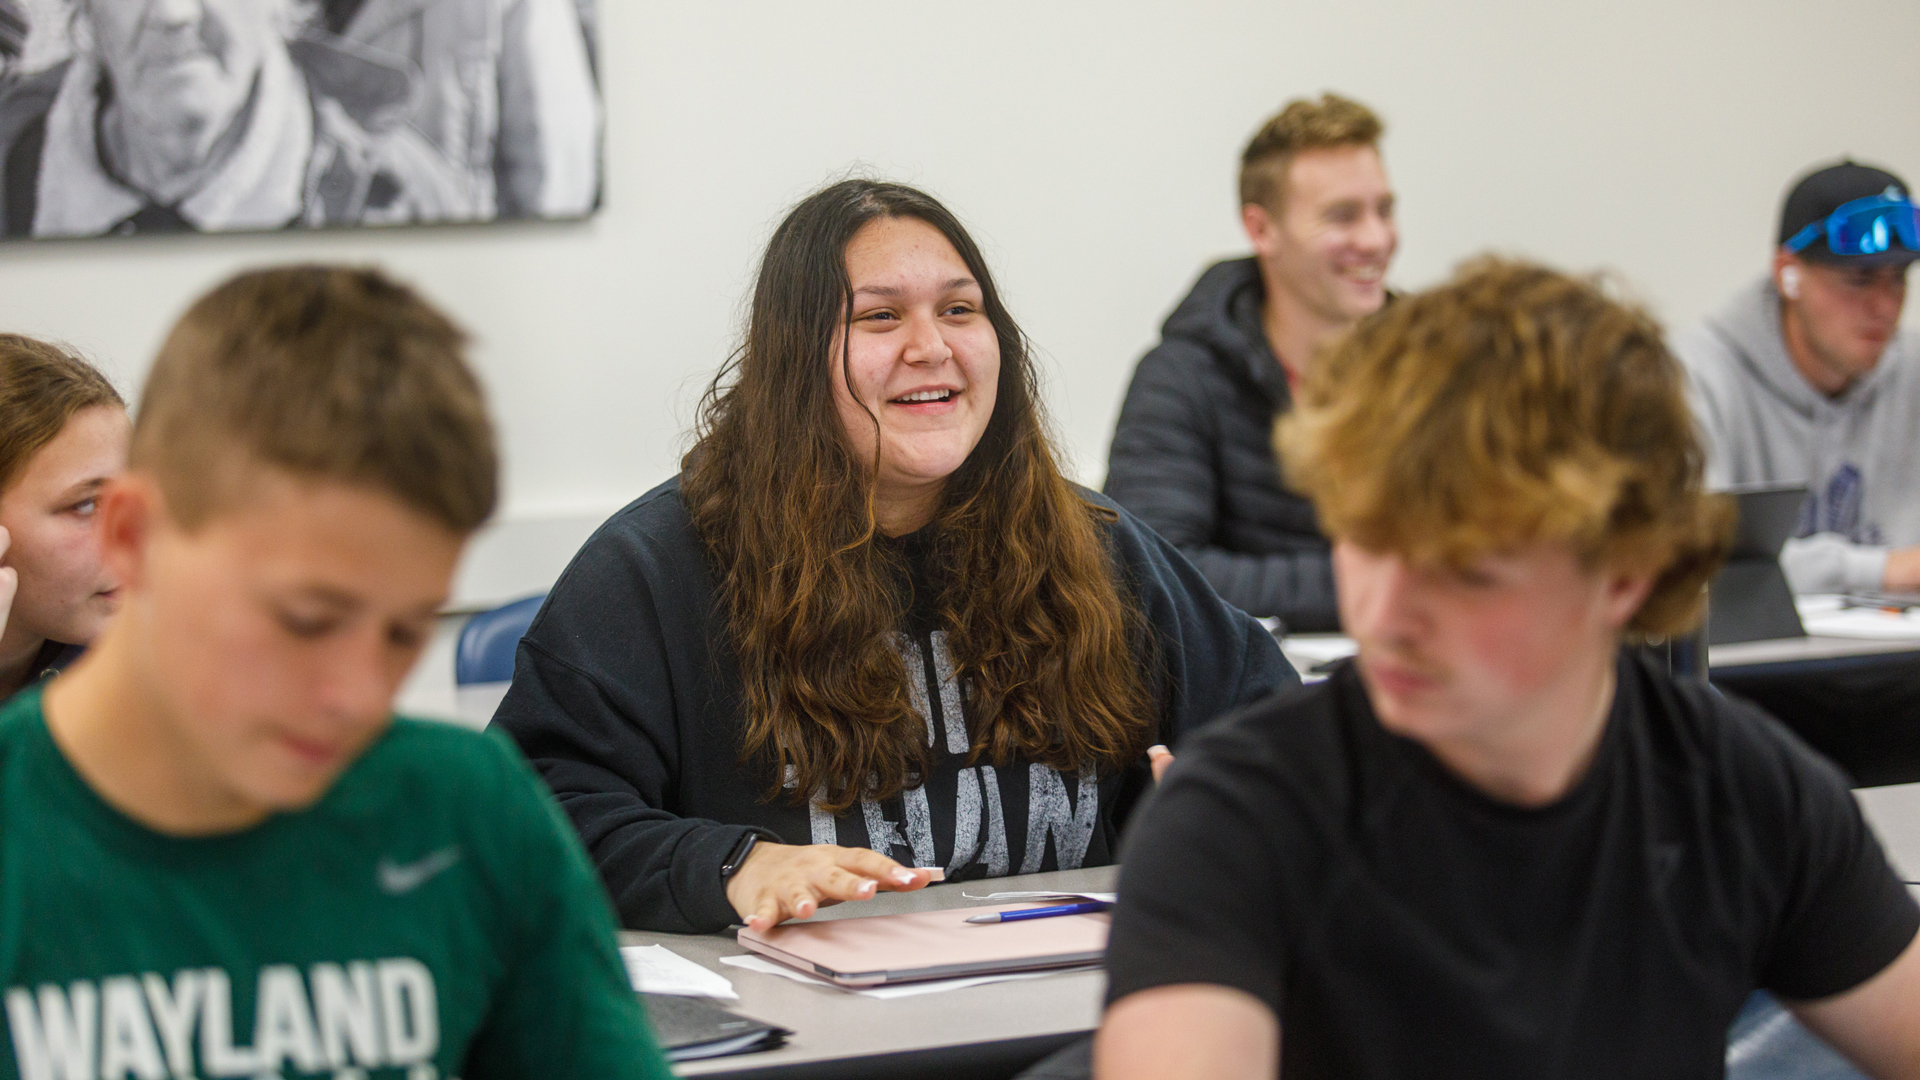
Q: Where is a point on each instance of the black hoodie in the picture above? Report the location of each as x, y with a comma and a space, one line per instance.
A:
627, 697
1193, 455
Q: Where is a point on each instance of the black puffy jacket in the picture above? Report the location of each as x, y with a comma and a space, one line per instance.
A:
1193, 455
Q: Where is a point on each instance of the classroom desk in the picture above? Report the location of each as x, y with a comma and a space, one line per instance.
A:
1873, 734
991, 1030
1855, 700
1804, 653
1306, 651
1310, 653
1894, 813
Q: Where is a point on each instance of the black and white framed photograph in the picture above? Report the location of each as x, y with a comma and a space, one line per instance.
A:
120, 117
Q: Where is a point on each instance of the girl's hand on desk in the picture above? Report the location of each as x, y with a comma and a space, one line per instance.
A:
785, 881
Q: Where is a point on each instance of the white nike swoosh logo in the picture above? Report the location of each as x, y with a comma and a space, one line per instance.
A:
399, 878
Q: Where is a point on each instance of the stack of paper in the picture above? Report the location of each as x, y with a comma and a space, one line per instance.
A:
656, 969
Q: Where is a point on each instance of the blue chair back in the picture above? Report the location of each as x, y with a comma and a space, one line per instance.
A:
484, 653
1767, 1043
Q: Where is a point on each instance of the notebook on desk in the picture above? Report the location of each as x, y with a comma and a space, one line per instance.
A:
690, 1029
882, 949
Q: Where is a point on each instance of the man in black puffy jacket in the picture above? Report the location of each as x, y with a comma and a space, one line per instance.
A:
1193, 454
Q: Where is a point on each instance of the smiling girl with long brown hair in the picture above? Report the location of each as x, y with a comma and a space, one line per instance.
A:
871, 628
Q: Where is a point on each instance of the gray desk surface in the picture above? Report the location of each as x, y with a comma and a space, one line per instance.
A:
831, 1024
1811, 647
1305, 649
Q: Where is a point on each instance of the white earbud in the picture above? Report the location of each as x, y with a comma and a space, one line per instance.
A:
1790, 282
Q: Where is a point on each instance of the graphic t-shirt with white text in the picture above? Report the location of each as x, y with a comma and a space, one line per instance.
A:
432, 916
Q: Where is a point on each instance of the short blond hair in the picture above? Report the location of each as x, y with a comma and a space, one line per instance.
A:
326, 372
1513, 405
1305, 124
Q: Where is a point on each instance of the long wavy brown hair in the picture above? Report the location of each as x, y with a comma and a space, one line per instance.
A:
1047, 641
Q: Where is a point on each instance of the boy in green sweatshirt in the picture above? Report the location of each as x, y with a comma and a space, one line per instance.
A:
220, 855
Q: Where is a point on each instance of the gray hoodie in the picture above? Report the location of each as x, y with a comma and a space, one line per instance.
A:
1858, 453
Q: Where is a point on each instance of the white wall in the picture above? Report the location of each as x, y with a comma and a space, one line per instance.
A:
1091, 147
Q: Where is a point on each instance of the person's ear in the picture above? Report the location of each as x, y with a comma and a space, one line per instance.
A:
1624, 595
124, 518
1260, 224
1786, 275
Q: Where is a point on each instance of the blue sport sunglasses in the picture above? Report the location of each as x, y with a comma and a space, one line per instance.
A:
1866, 226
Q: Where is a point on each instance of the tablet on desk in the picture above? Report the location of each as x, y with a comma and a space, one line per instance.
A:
882, 949
1749, 598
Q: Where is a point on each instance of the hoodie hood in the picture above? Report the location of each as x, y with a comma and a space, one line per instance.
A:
1750, 327
1221, 314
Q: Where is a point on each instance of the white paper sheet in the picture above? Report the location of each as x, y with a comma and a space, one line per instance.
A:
760, 964
1319, 648
1864, 622
656, 969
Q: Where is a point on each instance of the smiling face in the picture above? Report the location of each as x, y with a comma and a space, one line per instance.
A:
1329, 246
1477, 656
273, 637
65, 593
186, 65
921, 359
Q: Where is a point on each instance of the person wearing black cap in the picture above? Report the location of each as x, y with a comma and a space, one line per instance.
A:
1806, 377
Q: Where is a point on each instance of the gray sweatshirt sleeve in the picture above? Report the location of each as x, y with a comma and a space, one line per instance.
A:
1830, 563
1713, 436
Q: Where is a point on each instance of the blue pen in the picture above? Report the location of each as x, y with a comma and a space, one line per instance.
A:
1041, 912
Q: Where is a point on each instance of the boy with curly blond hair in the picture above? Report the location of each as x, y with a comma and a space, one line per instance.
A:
1497, 844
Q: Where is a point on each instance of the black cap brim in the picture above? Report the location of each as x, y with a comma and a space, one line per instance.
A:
1818, 253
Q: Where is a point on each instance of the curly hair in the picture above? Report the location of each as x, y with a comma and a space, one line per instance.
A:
1045, 638
1511, 405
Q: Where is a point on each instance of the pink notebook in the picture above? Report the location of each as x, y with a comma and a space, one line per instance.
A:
881, 949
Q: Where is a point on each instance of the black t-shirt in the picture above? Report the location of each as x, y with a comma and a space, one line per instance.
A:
1400, 923
626, 695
